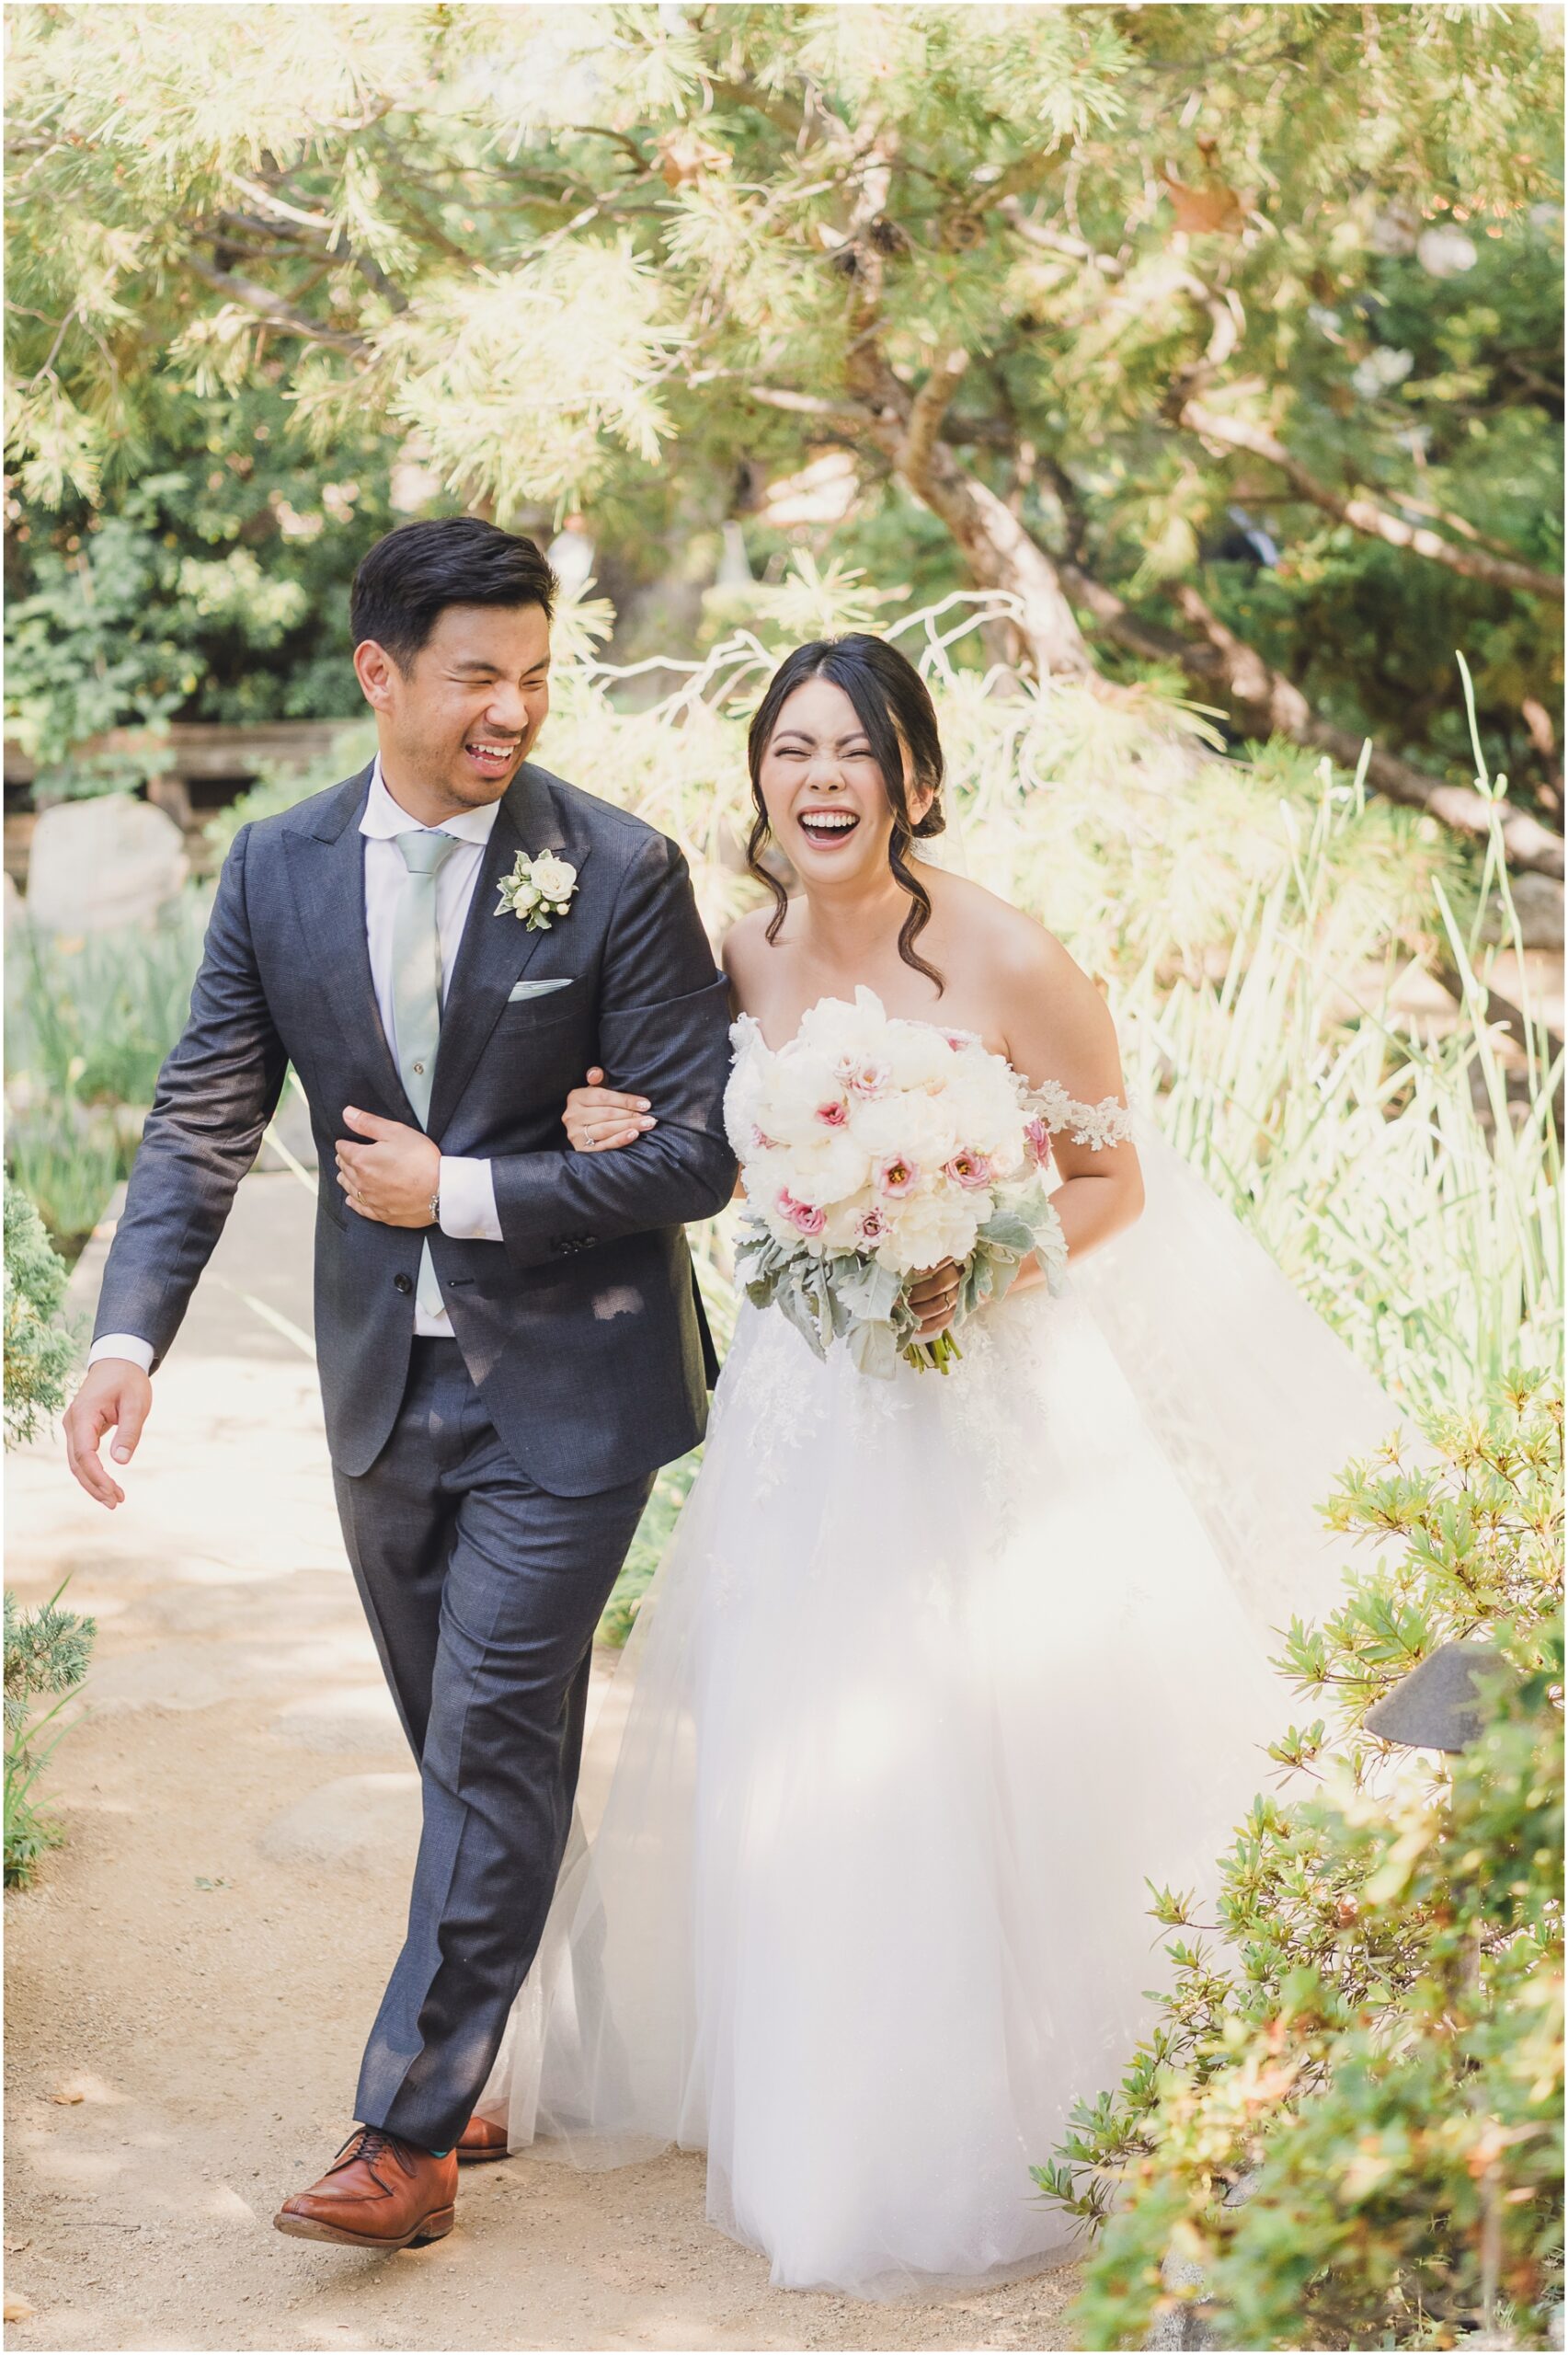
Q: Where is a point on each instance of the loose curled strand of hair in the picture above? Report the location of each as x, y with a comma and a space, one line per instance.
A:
755, 841
919, 916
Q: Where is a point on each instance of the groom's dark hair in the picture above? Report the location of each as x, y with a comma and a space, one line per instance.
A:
408, 579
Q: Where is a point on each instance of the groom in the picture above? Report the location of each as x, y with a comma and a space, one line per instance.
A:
509, 1334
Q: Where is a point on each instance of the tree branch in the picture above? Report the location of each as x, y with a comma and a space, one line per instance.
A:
1362, 514
1223, 667
273, 309
927, 411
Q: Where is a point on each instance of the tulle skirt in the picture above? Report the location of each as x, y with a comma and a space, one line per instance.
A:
939, 1673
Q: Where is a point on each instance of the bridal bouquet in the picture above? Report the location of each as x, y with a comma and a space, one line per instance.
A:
873, 1150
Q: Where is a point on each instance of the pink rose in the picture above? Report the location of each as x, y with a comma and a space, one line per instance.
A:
870, 1230
898, 1176
971, 1170
801, 1216
1038, 1138
834, 1113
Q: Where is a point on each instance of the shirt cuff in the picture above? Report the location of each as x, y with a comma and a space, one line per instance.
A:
122, 1345
468, 1201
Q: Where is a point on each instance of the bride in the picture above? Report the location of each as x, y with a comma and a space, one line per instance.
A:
936, 1670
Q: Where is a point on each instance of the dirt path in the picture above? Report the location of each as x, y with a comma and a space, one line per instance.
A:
189, 1983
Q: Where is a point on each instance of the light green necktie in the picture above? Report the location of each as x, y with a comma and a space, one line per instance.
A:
416, 992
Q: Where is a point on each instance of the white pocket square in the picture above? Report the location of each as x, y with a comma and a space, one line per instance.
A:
536, 989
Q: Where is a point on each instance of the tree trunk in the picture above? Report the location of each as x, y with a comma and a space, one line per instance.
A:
994, 544
1001, 555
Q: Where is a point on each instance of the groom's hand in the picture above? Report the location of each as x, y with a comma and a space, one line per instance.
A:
115, 1396
393, 1177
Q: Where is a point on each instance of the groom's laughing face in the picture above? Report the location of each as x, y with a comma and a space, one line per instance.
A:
460, 719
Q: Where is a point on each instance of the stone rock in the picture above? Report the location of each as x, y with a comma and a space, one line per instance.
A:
1435, 1707
96, 865
1537, 903
363, 1822
1184, 2327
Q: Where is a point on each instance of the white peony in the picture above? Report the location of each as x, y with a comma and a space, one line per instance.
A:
833, 1027
843, 1230
921, 1057
929, 1227
798, 1101
983, 1100
824, 1169
919, 1127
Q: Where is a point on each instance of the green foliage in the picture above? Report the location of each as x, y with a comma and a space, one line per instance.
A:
47, 1651
89, 1024
213, 587
280, 785
1367, 2037
38, 1349
651, 260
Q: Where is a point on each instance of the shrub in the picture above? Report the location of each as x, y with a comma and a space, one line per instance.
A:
47, 1650
38, 1350
89, 1022
1372, 2049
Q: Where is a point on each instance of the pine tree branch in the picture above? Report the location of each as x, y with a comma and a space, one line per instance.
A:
273, 309
1362, 514
847, 414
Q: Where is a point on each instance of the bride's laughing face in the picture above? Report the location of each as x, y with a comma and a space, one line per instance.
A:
826, 803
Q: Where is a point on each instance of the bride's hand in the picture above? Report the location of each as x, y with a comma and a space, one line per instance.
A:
934, 1298
596, 1119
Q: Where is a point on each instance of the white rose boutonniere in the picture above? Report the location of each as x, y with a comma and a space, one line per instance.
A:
538, 890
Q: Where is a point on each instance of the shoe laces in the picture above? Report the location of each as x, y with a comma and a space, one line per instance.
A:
370, 2144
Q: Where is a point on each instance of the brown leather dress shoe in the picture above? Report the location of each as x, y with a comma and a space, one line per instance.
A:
481, 2140
379, 2192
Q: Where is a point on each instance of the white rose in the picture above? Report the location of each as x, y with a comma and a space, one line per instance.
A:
554, 877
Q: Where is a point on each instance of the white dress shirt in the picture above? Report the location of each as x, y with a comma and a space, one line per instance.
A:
466, 1186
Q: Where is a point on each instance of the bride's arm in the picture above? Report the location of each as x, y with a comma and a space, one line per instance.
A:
600, 1120
1059, 1029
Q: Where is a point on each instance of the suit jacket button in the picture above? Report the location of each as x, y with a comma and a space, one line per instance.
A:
404, 1283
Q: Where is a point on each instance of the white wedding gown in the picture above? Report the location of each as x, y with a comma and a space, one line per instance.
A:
936, 1672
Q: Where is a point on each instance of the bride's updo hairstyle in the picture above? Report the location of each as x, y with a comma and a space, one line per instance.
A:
894, 707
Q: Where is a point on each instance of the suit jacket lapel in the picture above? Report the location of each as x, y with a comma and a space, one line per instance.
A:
327, 863
496, 949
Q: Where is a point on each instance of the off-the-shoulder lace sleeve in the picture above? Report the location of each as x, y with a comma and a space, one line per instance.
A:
1098, 1125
